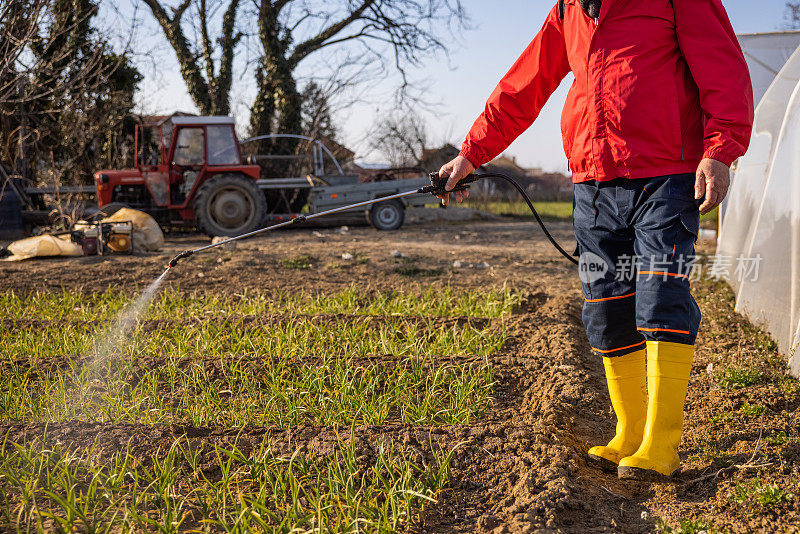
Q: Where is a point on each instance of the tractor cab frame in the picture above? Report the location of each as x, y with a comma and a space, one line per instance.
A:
176, 159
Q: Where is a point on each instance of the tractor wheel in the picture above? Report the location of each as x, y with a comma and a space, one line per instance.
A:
388, 215
229, 205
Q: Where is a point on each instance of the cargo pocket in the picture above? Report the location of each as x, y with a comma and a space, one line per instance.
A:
690, 220
685, 239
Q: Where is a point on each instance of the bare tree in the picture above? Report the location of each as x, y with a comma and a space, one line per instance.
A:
208, 78
391, 33
400, 137
64, 93
792, 15
387, 34
317, 112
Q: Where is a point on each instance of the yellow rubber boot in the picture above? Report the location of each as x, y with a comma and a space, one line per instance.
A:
668, 368
626, 378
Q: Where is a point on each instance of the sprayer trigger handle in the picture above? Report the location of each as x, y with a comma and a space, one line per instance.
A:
472, 178
439, 183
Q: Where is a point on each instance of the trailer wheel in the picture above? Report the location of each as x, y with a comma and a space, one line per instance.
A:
229, 205
387, 216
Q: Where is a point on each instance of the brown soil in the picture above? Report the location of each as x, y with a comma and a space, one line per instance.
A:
513, 251
521, 467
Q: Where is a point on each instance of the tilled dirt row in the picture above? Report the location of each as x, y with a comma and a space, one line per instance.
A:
213, 366
257, 322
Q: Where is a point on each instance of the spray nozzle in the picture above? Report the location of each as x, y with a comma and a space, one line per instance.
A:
174, 261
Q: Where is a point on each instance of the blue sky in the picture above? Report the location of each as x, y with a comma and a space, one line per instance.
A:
460, 86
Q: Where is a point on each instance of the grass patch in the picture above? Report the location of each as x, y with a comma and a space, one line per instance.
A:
789, 386
720, 417
290, 336
752, 410
408, 267
301, 262
738, 377
760, 495
782, 438
518, 208
356, 357
235, 393
712, 451
414, 271
46, 490
711, 218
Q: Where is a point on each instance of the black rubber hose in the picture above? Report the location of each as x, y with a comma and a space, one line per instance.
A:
521, 191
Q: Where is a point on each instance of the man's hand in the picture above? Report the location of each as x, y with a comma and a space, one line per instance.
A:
455, 171
713, 181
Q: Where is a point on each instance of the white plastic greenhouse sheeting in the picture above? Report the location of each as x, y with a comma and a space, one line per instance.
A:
766, 54
763, 218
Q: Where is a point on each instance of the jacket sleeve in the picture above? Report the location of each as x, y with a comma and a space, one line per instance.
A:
711, 50
520, 96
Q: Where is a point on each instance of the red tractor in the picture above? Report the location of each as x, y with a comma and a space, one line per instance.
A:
189, 170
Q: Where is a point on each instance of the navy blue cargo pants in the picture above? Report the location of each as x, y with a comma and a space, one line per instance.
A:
636, 243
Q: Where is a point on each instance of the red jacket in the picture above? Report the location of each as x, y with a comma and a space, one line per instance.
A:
659, 85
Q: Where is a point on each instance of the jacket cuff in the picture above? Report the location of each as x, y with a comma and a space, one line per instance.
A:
720, 154
469, 152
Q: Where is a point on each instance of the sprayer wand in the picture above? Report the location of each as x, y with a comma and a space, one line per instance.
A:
437, 188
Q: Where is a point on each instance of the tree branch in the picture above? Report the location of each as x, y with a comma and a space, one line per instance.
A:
278, 5
206, 47
315, 43
177, 12
227, 42
197, 86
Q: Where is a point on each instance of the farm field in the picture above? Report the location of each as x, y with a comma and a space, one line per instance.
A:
280, 387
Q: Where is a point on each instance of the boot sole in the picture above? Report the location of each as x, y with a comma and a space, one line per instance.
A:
603, 463
644, 475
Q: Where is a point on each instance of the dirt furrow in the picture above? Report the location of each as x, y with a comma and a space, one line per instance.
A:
257, 321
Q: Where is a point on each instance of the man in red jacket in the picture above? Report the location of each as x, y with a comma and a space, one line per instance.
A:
660, 107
